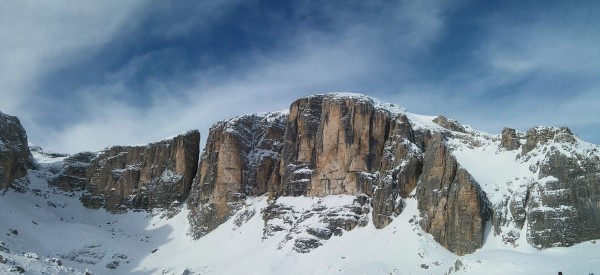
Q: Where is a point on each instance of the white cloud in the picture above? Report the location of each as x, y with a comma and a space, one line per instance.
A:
41, 36
369, 53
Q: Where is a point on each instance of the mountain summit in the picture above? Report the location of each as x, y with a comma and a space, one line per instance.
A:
315, 180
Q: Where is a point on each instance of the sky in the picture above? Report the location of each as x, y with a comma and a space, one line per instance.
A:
83, 75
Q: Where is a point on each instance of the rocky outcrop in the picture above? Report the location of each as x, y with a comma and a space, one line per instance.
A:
241, 158
510, 140
310, 226
564, 204
157, 175
542, 135
15, 156
454, 208
73, 176
449, 124
558, 203
349, 143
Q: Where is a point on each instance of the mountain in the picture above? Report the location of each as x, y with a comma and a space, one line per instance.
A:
340, 183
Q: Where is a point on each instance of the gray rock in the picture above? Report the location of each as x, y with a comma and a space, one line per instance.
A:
16, 269
510, 140
320, 222
565, 207
15, 156
241, 159
542, 135
157, 175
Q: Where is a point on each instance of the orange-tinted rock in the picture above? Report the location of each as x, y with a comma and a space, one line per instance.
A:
453, 206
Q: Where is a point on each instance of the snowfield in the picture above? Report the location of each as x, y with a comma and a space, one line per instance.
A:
47, 231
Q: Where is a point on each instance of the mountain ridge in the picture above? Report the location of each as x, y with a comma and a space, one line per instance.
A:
544, 192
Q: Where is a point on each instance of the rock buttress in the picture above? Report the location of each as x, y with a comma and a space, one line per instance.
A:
157, 175
454, 208
563, 208
15, 156
241, 158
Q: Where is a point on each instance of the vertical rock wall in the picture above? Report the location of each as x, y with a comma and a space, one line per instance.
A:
563, 208
15, 157
241, 158
299, 152
454, 207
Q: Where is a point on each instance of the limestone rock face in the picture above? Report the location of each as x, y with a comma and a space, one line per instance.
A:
453, 205
330, 145
135, 177
241, 158
15, 156
348, 144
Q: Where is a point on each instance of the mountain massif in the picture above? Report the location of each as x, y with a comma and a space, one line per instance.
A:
539, 188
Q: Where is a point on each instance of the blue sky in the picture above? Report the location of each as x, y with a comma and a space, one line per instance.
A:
83, 75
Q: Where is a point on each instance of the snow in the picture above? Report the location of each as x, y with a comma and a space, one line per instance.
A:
303, 171
170, 177
424, 122
392, 108
498, 172
232, 125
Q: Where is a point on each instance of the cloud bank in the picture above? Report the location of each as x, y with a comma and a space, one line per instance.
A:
86, 75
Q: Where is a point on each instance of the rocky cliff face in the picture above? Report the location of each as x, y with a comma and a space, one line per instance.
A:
157, 175
333, 144
401, 167
241, 159
454, 207
15, 157
349, 144
510, 139
566, 196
